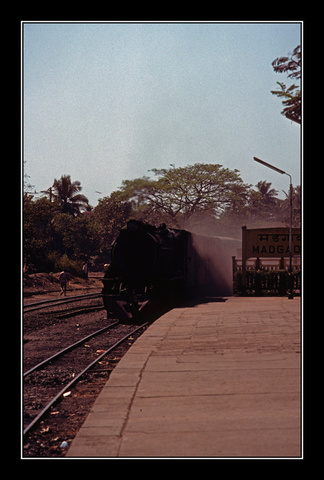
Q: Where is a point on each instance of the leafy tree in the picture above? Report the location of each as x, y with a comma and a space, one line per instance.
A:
28, 187
136, 194
66, 195
75, 236
185, 193
182, 195
263, 204
291, 95
206, 198
50, 234
109, 216
37, 241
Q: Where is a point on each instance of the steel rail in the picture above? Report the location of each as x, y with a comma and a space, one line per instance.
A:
79, 310
77, 378
67, 349
59, 301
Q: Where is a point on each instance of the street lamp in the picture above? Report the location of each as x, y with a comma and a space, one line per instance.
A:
290, 295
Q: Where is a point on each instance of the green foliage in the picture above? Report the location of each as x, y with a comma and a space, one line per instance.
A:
37, 230
60, 262
182, 195
50, 236
66, 196
109, 216
75, 235
205, 198
291, 95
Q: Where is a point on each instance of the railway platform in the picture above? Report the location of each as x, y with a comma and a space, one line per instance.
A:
219, 379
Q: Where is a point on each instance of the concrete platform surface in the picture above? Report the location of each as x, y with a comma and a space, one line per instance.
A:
219, 379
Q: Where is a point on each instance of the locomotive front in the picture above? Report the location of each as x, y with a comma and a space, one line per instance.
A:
135, 253
136, 259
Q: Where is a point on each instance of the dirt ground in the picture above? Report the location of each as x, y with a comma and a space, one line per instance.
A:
47, 331
47, 284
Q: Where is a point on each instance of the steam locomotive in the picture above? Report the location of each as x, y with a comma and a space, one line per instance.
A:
161, 266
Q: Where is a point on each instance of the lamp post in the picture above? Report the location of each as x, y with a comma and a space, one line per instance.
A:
290, 294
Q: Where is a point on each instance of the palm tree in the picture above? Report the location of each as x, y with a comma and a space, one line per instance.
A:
267, 194
263, 203
66, 194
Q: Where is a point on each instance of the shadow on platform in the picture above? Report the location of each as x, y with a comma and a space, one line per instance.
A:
152, 311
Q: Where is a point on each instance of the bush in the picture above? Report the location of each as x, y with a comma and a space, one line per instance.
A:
71, 266
60, 262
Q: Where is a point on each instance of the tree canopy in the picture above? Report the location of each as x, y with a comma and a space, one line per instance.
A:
180, 195
291, 95
204, 198
65, 193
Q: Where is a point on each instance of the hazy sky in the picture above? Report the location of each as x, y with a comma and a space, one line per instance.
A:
106, 102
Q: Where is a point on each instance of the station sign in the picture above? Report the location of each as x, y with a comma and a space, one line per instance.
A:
270, 242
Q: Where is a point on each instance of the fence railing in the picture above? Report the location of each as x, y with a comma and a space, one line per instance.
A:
267, 276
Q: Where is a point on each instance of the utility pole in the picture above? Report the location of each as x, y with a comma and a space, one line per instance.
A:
290, 294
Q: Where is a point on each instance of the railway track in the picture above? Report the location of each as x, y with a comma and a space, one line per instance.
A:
69, 353
30, 307
68, 349
60, 395
42, 314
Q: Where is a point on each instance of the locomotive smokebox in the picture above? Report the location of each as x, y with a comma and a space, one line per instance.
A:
135, 254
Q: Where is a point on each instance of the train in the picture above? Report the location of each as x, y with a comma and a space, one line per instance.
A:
161, 266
